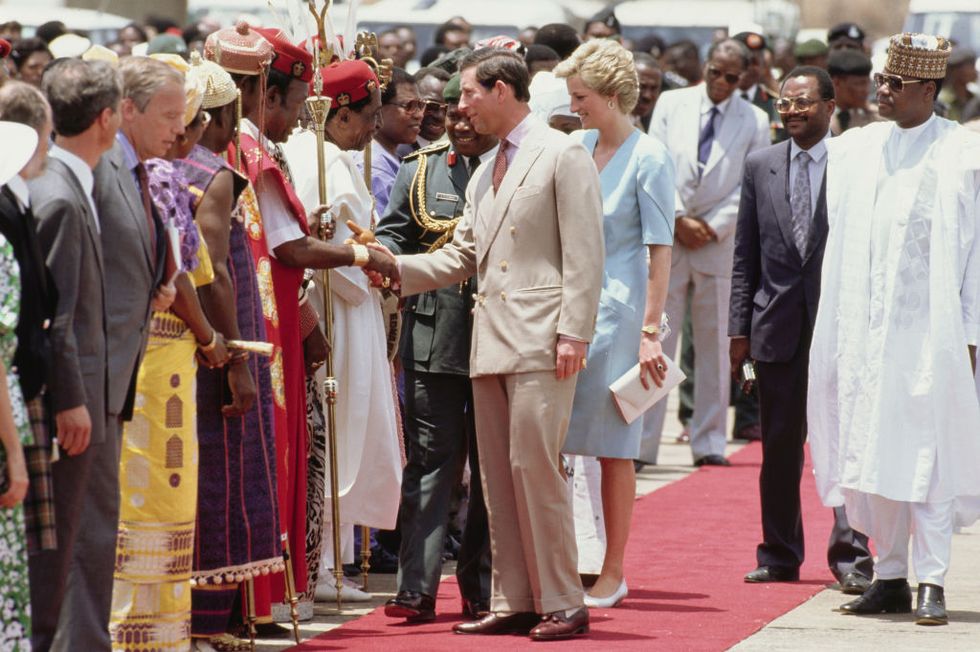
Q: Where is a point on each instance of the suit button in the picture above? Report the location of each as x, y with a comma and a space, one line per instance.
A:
475, 296
503, 265
513, 230
46, 325
503, 296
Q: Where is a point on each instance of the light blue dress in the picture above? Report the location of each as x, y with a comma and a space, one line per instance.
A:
638, 210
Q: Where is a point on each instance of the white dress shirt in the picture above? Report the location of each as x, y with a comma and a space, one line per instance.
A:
83, 173
707, 104
21, 193
818, 163
517, 136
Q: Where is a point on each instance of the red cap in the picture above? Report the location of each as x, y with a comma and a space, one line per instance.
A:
4, 48
291, 60
348, 82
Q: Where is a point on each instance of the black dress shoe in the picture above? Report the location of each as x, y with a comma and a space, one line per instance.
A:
772, 574
413, 606
475, 609
272, 630
930, 606
712, 460
883, 596
557, 626
854, 584
519, 623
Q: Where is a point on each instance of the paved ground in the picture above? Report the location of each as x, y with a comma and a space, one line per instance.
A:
814, 625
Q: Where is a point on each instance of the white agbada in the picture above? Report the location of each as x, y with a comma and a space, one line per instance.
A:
892, 406
370, 466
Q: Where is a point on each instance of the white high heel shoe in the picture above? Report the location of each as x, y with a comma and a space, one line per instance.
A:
610, 601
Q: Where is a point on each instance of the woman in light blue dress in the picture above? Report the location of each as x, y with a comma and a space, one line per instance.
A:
637, 181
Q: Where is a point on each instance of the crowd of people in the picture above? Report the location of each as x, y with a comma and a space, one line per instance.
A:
190, 347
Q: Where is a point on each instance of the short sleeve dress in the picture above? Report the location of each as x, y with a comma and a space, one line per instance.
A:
638, 210
15, 633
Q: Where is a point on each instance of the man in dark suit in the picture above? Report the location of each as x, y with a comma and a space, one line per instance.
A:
151, 112
84, 98
435, 351
779, 243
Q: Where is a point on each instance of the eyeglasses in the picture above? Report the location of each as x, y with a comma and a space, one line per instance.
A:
789, 104
412, 106
730, 77
431, 106
895, 83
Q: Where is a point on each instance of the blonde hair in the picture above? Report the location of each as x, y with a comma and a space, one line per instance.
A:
605, 67
142, 77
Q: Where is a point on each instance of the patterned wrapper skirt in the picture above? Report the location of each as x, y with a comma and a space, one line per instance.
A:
151, 593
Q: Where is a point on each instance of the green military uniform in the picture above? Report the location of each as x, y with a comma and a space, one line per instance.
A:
425, 205
766, 101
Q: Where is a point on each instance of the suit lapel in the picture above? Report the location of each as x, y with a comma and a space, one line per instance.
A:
779, 195
131, 193
90, 226
730, 127
818, 228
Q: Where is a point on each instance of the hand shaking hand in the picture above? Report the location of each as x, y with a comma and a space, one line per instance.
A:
382, 268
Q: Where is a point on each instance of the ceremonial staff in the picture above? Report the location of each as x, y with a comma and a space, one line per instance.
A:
319, 107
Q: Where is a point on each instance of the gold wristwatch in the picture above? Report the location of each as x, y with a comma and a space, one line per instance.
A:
651, 329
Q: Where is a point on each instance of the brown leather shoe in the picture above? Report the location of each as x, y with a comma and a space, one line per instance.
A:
557, 626
519, 623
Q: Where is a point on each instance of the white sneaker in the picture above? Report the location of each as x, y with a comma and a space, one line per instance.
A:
326, 591
610, 601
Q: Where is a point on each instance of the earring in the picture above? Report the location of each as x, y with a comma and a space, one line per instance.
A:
610, 104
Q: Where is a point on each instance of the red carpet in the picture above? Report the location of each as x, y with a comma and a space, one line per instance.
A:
691, 543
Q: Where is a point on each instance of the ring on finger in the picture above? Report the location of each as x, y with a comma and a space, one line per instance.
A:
660, 367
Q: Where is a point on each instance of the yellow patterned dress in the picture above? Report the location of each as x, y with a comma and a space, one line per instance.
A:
151, 593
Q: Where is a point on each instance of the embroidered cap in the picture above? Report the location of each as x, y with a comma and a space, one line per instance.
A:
219, 87
921, 56
240, 50
291, 60
347, 82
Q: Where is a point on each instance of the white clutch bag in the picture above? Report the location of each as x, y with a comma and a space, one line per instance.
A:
630, 397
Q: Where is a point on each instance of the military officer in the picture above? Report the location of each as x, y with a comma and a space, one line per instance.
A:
753, 85
850, 70
426, 203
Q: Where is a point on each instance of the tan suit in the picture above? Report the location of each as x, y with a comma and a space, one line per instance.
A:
537, 249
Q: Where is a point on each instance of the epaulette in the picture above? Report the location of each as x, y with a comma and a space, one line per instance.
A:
429, 149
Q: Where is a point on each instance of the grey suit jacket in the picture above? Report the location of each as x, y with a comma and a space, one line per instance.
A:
712, 196
69, 238
537, 249
775, 290
133, 270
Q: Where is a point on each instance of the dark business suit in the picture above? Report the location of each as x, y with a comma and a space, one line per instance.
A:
775, 291
133, 270
69, 238
435, 352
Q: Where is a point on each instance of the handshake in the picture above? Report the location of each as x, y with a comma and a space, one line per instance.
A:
381, 267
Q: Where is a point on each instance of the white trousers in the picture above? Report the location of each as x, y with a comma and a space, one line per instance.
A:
929, 525
712, 376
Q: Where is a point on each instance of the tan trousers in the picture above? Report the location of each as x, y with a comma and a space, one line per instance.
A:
521, 423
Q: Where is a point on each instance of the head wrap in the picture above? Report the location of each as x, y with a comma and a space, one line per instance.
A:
68, 46
918, 55
240, 50
347, 82
218, 87
291, 60
101, 53
193, 89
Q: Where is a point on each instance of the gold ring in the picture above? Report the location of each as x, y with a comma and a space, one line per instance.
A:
583, 363
660, 367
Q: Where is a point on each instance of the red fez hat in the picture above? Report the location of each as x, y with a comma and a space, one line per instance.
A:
291, 60
348, 82
4, 48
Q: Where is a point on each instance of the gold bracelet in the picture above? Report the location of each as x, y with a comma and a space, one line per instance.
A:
361, 255
650, 330
213, 342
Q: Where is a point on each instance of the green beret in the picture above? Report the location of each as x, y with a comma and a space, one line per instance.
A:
811, 48
452, 91
848, 62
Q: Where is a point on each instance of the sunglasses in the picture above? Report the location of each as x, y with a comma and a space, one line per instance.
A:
431, 106
895, 83
730, 77
412, 106
789, 104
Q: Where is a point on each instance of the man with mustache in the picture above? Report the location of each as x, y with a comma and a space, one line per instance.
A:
892, 408
435, 350
779, 245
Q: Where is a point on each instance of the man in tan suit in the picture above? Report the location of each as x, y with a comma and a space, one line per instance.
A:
532, 233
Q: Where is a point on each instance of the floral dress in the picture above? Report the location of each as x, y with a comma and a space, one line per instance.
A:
15, 607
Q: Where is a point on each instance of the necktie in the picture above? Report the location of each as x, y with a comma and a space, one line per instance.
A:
705, 139
844, 119
474, 164
500, 165
145, 195
745, 96
800, 202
